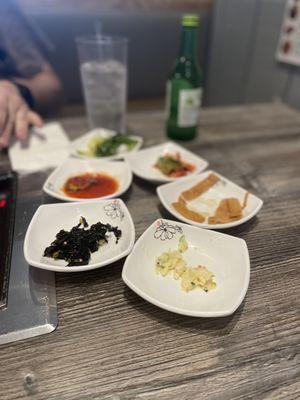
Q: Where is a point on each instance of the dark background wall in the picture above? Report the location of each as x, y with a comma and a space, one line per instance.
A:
153, 46
242, 67
237, 45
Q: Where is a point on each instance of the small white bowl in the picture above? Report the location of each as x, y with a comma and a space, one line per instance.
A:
225, 256
49, 219
118, 170
209, 200
81, 144
142, 163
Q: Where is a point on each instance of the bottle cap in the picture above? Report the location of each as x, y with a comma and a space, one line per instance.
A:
190, 20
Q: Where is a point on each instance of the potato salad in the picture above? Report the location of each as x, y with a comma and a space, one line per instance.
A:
173, 263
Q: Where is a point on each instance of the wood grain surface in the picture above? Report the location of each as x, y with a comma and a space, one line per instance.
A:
111, 344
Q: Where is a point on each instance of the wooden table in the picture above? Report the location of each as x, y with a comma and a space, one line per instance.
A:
111, 344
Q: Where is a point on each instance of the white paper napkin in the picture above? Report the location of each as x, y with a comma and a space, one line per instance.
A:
45, 148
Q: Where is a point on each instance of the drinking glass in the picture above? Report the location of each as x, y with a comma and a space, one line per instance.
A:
103, 68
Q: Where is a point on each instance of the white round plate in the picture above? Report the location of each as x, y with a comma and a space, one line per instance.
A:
119, 170
49, 219
142, 162
82, 144
208, 201
225, 256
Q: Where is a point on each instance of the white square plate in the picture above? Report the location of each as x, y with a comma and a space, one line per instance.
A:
225, 256
208, 201
49, 219
142, 163
81, 144
118, 170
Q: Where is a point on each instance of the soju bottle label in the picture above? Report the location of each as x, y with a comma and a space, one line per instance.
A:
189, 104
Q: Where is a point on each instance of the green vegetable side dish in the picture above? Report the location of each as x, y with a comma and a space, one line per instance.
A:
168, 164
104, 147
173, 166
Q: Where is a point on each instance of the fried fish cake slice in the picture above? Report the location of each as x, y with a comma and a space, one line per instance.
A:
234, 207
217, 220
201, 187
229, 210
187, 213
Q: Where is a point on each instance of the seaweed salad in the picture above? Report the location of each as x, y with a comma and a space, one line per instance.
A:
75, 246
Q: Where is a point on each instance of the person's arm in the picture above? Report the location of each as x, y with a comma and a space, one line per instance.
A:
27, 82
15, 115
45, 88
22, 63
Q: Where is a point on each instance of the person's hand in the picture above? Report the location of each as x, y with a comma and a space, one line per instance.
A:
15, 115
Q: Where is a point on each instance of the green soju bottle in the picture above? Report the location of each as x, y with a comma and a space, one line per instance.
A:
184, 87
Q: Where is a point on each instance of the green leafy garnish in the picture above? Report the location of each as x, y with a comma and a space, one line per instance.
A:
105, 147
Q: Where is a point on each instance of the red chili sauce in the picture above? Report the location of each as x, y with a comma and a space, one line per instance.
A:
90, 185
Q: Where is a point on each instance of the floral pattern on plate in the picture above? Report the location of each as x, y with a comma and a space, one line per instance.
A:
166, 231
114, 210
